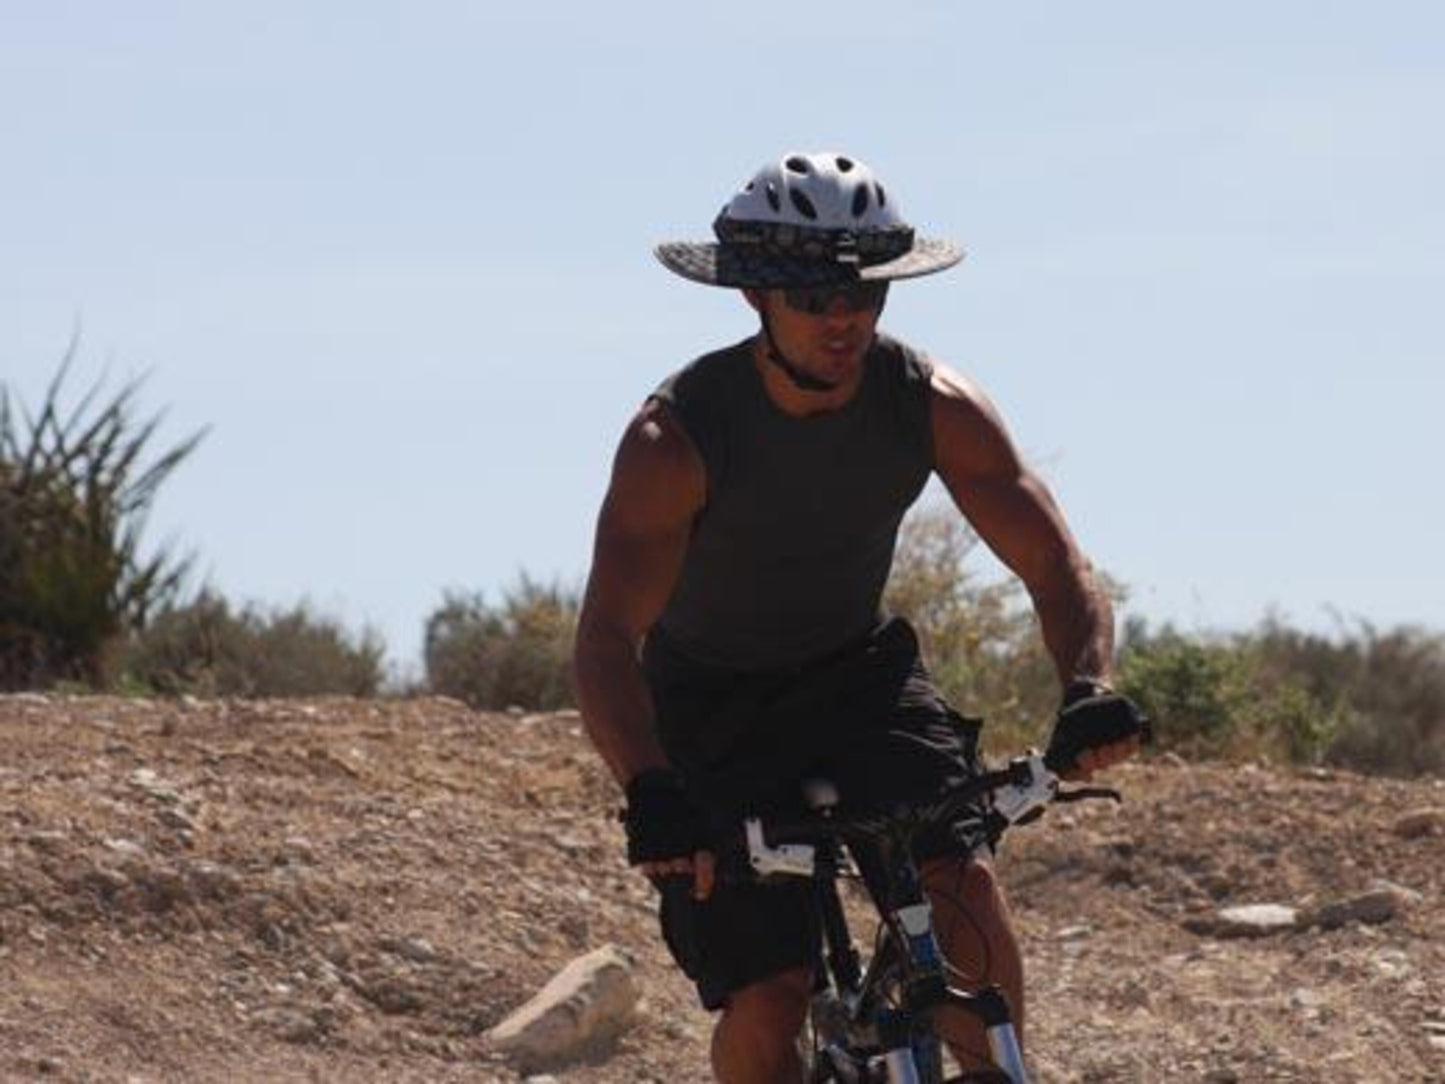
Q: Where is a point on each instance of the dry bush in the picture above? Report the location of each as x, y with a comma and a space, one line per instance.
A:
516, 654
207, 649
980, 640
1389, 687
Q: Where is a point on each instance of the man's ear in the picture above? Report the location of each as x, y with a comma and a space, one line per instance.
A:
755, 299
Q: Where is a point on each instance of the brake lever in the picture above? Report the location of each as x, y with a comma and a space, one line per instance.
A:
1036, 787
796, 859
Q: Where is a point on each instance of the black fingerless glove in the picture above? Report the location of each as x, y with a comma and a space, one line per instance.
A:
1092, 715
661, 821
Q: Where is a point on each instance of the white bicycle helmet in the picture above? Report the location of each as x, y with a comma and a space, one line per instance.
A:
809, 220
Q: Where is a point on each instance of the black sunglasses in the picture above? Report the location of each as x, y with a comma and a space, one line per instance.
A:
856, 297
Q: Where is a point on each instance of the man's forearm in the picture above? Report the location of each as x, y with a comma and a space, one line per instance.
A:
1077, 620
616, 705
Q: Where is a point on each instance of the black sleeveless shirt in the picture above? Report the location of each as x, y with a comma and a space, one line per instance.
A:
789, 557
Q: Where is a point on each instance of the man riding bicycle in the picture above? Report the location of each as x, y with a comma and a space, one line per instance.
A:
731, 643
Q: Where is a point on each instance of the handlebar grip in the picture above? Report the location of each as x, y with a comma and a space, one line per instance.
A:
675, 888
1093, 722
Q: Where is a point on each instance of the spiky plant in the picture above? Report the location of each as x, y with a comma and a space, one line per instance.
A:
75, 487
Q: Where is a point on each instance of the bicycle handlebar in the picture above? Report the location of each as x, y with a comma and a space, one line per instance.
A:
1017, 793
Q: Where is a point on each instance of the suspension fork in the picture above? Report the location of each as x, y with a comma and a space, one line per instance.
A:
911, 1046
927, 988
990, 1006
913, 1056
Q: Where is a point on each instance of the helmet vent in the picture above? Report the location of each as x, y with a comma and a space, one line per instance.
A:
882, 199
802, 203
774, 201
845, 165
860, 200
799, 164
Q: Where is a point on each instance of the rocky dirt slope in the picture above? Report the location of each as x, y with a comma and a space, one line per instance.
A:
358, 890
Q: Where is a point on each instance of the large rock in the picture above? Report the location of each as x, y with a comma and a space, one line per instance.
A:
1249, 920
1421, 822
577, 1015
1380, 904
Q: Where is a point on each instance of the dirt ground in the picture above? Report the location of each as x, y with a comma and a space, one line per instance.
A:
358, 890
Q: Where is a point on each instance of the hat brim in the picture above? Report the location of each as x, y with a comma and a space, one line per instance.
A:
746, 268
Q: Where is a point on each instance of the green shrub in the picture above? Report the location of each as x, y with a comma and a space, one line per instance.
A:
1194, 691
1273, 694
206, 649
496, 657
1221, 697
74, 492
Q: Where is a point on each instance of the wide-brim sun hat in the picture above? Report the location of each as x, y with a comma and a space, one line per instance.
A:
809, 220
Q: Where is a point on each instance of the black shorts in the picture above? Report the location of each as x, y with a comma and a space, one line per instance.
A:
867, 718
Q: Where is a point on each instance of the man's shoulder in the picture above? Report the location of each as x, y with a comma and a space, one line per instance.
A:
703, 398
901, 357
708, 378
904, 367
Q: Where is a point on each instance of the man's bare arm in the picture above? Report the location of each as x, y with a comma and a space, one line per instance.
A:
1017, 518
658, 487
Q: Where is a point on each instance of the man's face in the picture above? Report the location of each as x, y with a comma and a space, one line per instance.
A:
829, 343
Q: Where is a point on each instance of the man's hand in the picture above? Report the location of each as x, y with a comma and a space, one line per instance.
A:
666, 833
1096, 727
1096, 760
697, 873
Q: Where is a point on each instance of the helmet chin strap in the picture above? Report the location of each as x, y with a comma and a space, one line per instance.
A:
805, 381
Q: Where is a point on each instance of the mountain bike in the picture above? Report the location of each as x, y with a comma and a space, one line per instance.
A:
874, 1023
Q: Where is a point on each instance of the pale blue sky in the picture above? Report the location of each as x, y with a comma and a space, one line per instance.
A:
398, 257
